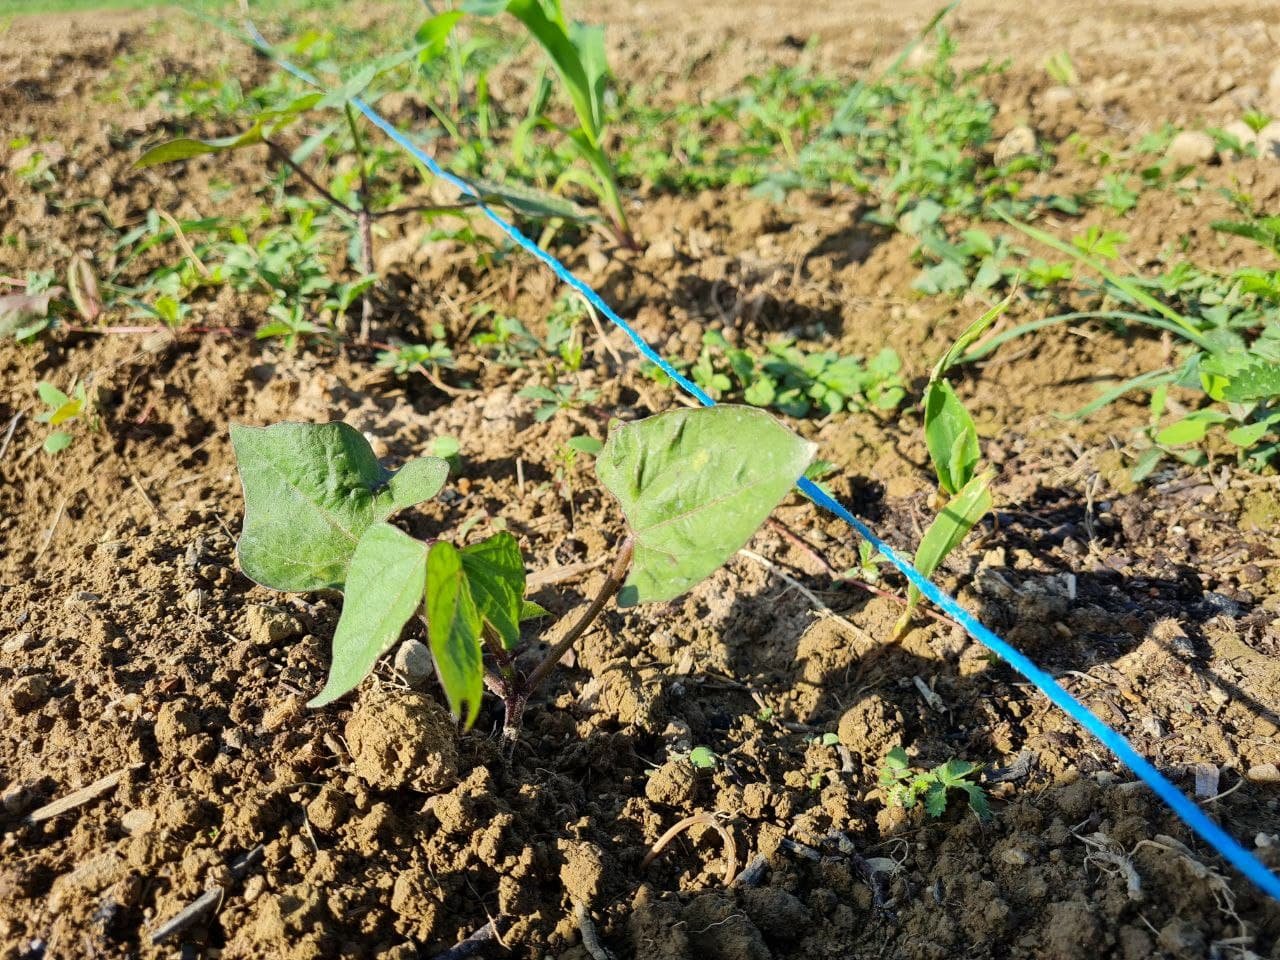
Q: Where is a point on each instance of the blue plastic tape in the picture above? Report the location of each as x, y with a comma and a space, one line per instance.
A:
1190, 813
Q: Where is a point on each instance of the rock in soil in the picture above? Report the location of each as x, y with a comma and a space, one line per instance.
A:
1190, 147
403, 739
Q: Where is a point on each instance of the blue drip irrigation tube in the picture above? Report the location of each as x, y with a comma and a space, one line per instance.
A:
1190, 813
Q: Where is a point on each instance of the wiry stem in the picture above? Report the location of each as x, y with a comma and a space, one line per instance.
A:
364, 223
514, 687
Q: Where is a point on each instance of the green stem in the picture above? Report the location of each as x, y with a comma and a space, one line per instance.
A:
364, 223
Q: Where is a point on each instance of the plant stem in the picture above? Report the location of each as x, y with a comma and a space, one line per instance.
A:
611, 585
514, 687
364, 222
283, 155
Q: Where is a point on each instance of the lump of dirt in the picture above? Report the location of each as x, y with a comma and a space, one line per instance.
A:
583, 872
779, 914
721, 931
175, 722
618, 693
403, 739
656, 929
871, 727
28, 693
271, 625
675, 783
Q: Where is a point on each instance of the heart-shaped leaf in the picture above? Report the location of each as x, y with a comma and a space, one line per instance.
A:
310, 492
385, 583
694, 486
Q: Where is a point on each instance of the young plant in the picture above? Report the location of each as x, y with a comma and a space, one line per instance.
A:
952, 439
578, 54
904, 787
694, 486
59, 408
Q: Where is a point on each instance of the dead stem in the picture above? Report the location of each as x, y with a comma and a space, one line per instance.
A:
707, 819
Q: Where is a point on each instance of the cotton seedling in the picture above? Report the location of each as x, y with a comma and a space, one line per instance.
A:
694, 485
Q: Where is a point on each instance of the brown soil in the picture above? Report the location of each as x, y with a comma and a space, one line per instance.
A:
131, 644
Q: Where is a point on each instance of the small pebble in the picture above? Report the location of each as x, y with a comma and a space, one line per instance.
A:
413, 662
1190, 147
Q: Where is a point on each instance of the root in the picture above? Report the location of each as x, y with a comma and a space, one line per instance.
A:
706, 819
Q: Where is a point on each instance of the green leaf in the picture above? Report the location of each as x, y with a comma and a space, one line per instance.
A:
1250, 434
57, 441
950, 527
50, 395
970, 334
453, 627
935, 799
311, 490
694, 486
977, 801
703, 758
184, 148
416, 482
585, 444
384, 587
576, 70
1191, 428
1260, 380
434, 32
532, 611
951, 437
495, 575
351, 88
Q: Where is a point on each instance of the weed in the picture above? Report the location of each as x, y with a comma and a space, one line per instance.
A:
558, 397
796, 383
59, 409
904, 787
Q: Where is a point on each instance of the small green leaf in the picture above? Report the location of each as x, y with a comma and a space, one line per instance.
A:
1191, 428
184, 148
50, 395
532, 611
1249, 434
495, 575
935, 799
453, 627
434, 32
384, 587
951, 526
416, 482
950, 436
977, 801
57, 441
588, 445
1260, 380
695, 485
966, 338
703, 758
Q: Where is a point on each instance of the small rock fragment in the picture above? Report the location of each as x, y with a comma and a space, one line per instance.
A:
137, 822
1269, 141
18, 642
1190, 147
413, 662
1264, 773
16, 797
328, 810
583, 873
270, 625
29, 692
1018, 142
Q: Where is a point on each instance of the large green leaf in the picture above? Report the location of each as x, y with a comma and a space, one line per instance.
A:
453, 626
184, 148
950, 435
384, 587
694, 486
495, 574
310, 492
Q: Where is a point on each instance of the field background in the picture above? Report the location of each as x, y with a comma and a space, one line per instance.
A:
132, 646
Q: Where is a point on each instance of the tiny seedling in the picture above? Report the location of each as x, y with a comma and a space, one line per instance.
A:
904, 787
952, 440
59, 408
694, 485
